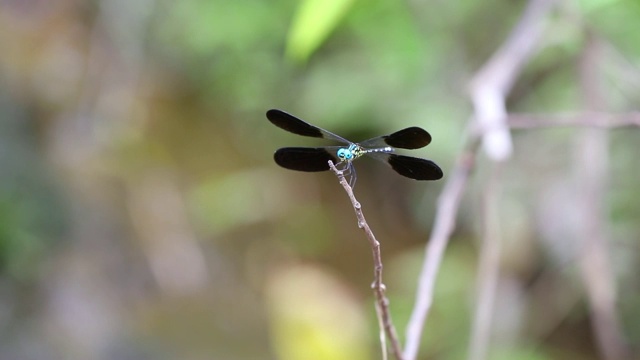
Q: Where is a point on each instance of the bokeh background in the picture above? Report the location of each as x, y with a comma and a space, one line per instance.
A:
142, 215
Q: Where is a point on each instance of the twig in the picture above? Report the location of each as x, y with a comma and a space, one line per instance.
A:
378, 287
583, 119
488, 88
491, 84
383, 337
451, 195
448, 204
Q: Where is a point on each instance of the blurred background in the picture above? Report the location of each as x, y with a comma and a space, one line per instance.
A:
142, 215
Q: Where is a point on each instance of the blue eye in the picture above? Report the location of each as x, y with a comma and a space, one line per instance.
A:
345, 154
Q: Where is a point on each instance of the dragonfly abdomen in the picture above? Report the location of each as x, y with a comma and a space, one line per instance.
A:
387, 149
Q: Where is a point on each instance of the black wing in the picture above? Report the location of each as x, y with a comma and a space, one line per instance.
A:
297, 126
415, 168
409, 138
305, 159
411, 167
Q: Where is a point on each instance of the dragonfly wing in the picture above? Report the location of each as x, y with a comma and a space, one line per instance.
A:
411, 167
306, 159
409, 138
297, 126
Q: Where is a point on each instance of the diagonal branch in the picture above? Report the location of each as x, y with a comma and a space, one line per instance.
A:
382, 303
488, 88
451, 196
448, 205
491, 84
585, 119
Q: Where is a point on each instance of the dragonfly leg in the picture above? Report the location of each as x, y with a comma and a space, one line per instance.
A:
349, 172
353, 176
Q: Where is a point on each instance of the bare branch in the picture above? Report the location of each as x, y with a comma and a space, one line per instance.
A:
488, 91
451, 196
585, 119
491, 84
382, 303
448, 204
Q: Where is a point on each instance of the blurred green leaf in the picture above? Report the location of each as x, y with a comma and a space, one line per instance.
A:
313, 22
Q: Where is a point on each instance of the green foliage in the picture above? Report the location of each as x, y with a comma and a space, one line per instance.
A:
312, 24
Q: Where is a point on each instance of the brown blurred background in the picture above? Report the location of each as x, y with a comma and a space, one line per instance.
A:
142, 215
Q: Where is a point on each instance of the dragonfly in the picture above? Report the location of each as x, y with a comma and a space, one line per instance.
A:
314, 159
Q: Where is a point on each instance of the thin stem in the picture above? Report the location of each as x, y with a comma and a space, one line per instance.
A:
378, 287
584, 119
491, 84
448, 204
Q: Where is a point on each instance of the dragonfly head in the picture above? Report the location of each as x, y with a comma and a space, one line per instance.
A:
351, 153
345, 154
